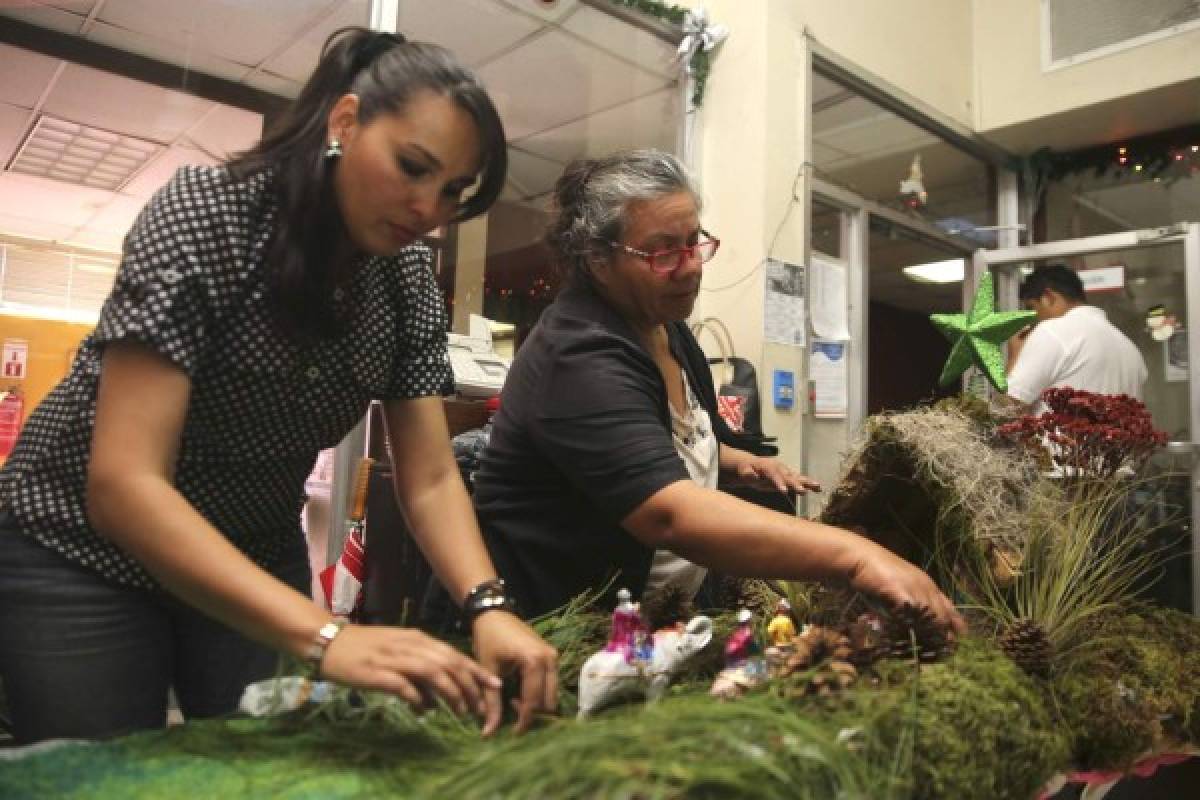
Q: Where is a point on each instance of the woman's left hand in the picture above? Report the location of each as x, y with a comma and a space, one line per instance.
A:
768, 473
505, 645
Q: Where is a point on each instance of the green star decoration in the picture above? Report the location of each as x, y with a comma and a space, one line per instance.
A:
980, 335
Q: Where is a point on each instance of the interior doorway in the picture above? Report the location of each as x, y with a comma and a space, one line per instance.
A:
1145, 269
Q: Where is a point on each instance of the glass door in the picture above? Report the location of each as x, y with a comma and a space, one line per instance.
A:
1127, 275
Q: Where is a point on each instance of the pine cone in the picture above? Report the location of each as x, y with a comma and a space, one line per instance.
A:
1026, 643
825, 682
909, 621
755, 595
668, 605
867, 644
814, 645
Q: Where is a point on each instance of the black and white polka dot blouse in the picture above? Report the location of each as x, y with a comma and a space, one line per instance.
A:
191, 285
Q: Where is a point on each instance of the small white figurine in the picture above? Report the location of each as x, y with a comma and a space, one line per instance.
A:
609, 676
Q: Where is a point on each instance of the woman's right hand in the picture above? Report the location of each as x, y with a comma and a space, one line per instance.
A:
880, 572
411, 665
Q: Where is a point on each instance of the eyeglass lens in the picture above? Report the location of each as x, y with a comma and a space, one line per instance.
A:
670, 260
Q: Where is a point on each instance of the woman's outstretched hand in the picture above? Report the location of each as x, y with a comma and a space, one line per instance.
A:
770, 473
506, 645
413, 666
880, 572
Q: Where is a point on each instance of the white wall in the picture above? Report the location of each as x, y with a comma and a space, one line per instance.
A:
749, 151
1012, 88
922, 47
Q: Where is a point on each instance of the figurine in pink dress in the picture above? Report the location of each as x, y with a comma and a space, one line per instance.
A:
628, 630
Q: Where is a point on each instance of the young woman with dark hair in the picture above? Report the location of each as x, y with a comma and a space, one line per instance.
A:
149, 515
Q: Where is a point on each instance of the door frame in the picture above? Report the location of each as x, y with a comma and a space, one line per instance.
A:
1185, 233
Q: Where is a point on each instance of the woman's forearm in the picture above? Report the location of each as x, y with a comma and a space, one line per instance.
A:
716, 530
147, 518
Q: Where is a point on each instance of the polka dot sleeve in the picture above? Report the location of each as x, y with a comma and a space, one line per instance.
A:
424, 366
160, 295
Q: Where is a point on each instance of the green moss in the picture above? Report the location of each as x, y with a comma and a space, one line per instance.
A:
982, 727
971, 727
1135, 689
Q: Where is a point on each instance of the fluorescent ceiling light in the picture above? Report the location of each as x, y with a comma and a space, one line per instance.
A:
80, 154
951, 271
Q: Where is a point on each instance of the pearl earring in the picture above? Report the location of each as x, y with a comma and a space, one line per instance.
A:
334, 150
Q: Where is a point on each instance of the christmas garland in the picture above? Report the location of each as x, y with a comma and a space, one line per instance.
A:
1166, 155
700, 64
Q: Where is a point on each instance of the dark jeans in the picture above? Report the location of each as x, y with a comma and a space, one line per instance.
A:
84, 658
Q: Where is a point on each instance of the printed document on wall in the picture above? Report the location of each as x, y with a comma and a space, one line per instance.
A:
828, 303
827, 371
783, 314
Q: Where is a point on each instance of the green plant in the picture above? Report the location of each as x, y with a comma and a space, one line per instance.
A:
1086, 549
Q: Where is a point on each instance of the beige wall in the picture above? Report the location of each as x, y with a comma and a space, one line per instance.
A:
922, 47
1012, 88
747, 170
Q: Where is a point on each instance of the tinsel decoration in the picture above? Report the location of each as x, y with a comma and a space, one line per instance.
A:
907, 624
700, 38
1026, 643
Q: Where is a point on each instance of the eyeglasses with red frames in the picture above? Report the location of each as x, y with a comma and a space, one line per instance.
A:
665, 262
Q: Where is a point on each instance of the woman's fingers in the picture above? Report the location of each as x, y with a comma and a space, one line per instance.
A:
413, 666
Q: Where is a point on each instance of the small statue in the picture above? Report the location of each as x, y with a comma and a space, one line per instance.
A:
745, 667
628, 635
608, 676
742, 644
781, 630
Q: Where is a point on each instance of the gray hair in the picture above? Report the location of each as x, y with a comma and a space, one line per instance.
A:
592, 195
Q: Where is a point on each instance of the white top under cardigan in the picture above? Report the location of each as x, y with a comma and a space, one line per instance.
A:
700, 451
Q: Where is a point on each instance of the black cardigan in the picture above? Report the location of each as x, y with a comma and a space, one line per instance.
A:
582, 438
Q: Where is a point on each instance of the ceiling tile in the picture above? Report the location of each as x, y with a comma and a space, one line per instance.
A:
554, 79
46, 230
460, 26
113, 220
13, 122
531, 175
297, 61
191, 57
824, 154
275, 84
546, 10
240, 31
651, 121
854, 111
24, 76
81, 7
623, 39
94, 239
46, 17
160, 170
122, 105
227, 130
46, 201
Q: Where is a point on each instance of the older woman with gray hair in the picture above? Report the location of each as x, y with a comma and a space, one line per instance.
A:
605, 453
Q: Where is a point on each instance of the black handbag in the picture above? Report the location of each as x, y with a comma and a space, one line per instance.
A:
736, 380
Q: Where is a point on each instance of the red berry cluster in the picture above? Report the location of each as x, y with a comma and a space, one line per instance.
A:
1092, 434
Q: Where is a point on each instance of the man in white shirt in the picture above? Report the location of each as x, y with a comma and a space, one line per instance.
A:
1073, 344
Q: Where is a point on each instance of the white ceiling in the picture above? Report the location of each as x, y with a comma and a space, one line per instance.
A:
569, 81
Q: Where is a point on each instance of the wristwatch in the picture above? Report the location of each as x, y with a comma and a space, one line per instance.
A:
487, 596
320, 643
